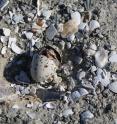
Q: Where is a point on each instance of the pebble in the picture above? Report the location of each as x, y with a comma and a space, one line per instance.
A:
87, 115
32, 115
101, 58
69, 45
6, 32
83, 92
92, 50
3, 4
71, 37
51, 32
67, 112
17, 18
113, 87
75, 96
81, 75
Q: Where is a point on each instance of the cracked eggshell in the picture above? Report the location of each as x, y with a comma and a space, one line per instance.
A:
43, 69
93, 25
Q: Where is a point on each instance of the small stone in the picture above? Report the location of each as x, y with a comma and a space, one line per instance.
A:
6, 32
32, 115
3, 4
17, 18
67, 112
83, 92
81, 75
69, 45
87, 115
49, 105
3, 39
28, 35
51, 32
101, 58
75, 96
71, 37
113, 87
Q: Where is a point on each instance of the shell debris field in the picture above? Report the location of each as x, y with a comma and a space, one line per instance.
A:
58, 62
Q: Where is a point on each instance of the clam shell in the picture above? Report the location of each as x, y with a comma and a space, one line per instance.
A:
113, 87
93, 25
101, 58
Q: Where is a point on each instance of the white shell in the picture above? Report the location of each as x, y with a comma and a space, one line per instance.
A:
28, 35
113, 87
92, 50
76, 16
103, 77
101, 58
43, 69
4, 50
6, 31
87, 115
93, 25
113, 58
16, 49
49, 105
3, 39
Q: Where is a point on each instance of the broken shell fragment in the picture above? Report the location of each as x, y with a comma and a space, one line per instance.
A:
113, 58
87, 115
92, 50
6, 32
101, 58
4, 50
93, 25
45, 65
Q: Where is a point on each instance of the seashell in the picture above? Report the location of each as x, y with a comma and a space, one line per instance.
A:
11, 39
16, 49
3, 39
92, 50
76, 16
83, 92
67, 112
87, 115
45, 65
4, 50
71, 37
103, 77
113, 58
75, 96
49, 105
101, 58
69, 28
113, 87
93, 25
28, 35
6, 32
